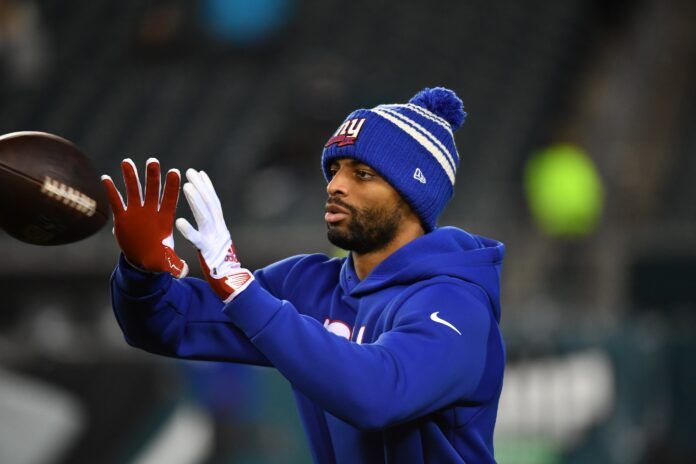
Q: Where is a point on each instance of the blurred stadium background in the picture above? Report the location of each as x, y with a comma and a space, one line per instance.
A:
579, 153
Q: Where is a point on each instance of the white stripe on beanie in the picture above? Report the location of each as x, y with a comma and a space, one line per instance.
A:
420, 138
423, 112
424, 132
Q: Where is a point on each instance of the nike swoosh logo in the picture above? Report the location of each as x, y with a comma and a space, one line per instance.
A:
434, 317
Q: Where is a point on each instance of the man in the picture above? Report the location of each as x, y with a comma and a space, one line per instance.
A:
394, 353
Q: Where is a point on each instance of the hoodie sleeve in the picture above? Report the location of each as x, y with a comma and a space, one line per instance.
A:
182, 317
441, 345
176, 317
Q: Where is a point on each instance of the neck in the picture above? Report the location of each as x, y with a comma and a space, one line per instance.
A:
366, 262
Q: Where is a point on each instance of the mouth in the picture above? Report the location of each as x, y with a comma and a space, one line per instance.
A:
335, 213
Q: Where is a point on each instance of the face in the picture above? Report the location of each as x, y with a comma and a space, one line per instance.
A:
363, 211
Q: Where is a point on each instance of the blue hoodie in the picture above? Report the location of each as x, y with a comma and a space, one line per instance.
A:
405, 366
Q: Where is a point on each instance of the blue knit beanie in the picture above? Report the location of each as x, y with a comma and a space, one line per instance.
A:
411, 145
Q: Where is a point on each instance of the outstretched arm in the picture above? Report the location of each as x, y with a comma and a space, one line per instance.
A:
157, 309
183, 317
177, 317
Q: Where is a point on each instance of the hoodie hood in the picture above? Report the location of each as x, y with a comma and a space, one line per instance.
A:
447, 251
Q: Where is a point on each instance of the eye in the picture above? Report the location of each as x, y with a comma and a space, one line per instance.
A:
332, 172
362, 174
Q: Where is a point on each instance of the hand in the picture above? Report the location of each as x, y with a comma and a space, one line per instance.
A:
143, 228
216, 251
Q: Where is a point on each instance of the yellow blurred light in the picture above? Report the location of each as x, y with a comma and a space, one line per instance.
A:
564, 191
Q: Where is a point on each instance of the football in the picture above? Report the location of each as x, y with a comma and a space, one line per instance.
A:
50, 193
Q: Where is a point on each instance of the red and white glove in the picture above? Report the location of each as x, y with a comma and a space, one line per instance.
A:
216, 251
143, 228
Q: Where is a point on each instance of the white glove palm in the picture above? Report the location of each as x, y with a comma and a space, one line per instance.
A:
212, 238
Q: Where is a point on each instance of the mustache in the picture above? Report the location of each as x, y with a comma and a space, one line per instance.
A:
339, 202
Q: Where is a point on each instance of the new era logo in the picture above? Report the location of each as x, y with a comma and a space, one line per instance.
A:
418, 175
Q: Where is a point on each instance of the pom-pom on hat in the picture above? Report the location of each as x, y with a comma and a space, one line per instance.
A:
411, 145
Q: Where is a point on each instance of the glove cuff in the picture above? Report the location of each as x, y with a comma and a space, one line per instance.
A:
230, 284
234, 284
159, 259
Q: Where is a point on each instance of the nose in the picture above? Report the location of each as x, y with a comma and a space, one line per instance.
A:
337, 186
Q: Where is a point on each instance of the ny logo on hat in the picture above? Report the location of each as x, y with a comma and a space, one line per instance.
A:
347, 134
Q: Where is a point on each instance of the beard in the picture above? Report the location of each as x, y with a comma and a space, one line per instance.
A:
367, 229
